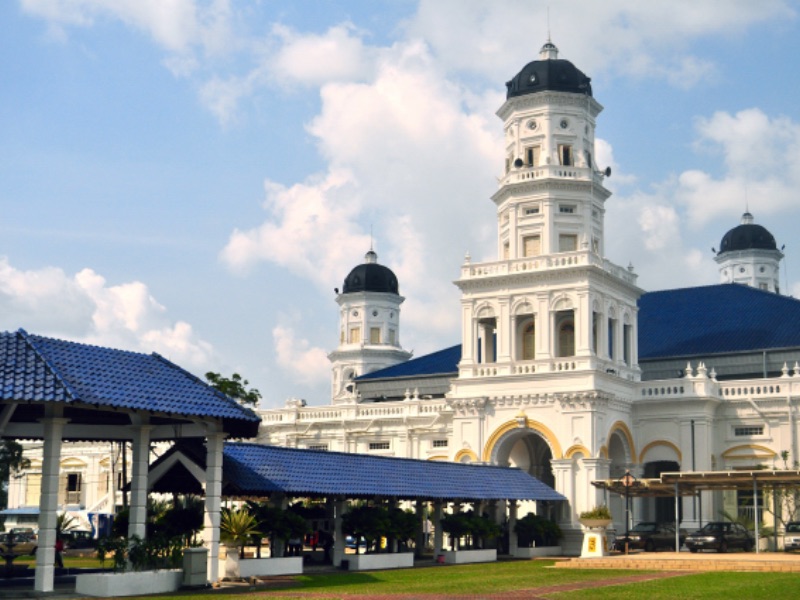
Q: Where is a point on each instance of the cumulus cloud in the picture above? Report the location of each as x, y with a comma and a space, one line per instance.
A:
760, 170
85, 308
406, 155
310, 59
297, 356
630, 38
761, 162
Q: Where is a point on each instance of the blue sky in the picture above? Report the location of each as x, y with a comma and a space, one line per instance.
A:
195, 177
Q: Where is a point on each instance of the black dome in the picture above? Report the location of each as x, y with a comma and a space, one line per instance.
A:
747, 236
370, 277
549, 74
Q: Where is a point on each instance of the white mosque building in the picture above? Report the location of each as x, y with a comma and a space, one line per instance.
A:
566, 368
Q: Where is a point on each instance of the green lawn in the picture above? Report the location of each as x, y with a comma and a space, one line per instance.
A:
474, 580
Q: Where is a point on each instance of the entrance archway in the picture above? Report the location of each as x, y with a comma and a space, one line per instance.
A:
525, 449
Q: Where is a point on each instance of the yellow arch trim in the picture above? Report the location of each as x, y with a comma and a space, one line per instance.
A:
464, 452
730, 452
438, 457
621, 426
661, 443
577, 449
541, 428
603, 452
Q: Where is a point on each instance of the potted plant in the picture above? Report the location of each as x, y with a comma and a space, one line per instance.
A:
599, 516
242, 526
475, 528
149, 566
373, 523
537, 536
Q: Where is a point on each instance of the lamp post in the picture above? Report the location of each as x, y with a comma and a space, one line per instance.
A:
627, 481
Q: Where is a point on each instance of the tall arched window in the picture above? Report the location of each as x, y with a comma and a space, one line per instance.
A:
566, 337
529, 341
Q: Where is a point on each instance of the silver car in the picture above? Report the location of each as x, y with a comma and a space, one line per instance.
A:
791, 541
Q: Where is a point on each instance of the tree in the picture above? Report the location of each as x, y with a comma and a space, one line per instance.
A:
235, 388
11, 459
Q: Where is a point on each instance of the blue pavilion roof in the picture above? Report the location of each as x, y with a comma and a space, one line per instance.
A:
252, 469
35, 369
716, 319
437, 363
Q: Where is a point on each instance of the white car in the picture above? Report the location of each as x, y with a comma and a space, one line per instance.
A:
791, 541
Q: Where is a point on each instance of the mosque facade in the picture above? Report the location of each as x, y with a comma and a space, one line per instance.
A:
566, 368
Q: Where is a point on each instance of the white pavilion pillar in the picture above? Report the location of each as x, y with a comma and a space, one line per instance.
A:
211, 516
338, 536
48, 503
512, 522
438, 534
140, 467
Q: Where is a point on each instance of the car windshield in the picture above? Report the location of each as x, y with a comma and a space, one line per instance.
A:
712, 527
793, 528
644, 528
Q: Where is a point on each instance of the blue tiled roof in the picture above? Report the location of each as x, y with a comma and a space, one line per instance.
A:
256, 469
437, 363
40, 369
716, 319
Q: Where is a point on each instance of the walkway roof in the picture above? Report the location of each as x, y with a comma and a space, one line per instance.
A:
254, 469
260, 471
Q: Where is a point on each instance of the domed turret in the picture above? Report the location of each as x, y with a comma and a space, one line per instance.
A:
369, 326
749, 255
370, 277
747, 236
549, 73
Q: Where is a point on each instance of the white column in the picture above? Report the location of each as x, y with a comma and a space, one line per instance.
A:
438, 534
141, 454
338, 535
512, 522
214, 444
48, 503
563, 472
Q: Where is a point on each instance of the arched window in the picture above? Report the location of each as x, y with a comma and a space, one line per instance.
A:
566, 337
529, 341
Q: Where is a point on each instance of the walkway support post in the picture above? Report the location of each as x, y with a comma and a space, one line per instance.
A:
338, 536
438, 534
513, 543
137, 526
48, 502
211, 512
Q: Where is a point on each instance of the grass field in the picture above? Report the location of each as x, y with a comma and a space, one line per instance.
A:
485, 580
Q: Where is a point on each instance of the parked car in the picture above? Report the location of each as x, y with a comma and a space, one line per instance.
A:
78, 539
350, 542
650, 536
791, 541
720, 536
21, 545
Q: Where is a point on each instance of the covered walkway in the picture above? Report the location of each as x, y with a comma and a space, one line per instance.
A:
253, 471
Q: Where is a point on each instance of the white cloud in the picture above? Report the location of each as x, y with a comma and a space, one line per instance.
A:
85, 308
337, 55
171, 23
408, 160
304, 362
310, 229
644, 39
762, 166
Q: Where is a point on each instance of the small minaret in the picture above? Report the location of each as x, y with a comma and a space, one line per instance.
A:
369, 326
749, 255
